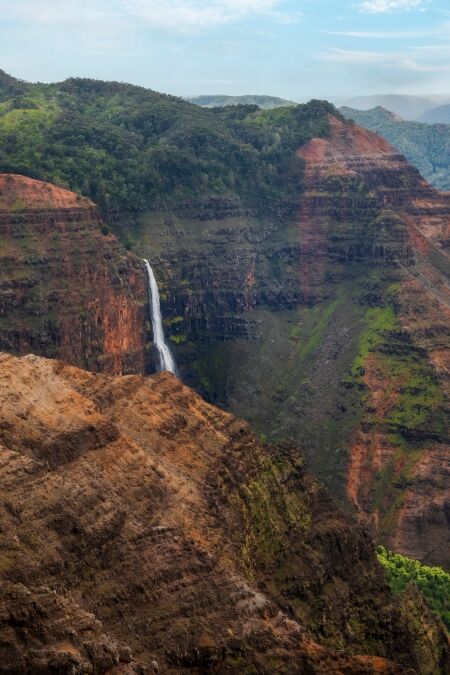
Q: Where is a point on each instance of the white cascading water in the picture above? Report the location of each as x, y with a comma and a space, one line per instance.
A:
166, 360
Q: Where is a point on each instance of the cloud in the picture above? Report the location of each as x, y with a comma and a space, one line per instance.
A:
385, 6
191, 14
395, 61
176, 15
380, 35
410, 64
350, 56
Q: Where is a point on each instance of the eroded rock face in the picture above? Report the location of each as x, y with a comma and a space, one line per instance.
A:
275, 318
399, 468
42, 632
66, 289
142, 525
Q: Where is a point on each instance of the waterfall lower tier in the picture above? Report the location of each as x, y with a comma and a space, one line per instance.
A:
166, 360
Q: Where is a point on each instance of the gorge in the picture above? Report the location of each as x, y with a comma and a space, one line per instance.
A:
331, 328
303, 285
286, 310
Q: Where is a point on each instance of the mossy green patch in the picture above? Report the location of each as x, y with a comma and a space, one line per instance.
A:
407, 407
310, 345
418, 410
178, 339
378, 322
271, 513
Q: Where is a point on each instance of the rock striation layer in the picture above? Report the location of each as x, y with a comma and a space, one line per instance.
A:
399, 467
144, 530
67, 289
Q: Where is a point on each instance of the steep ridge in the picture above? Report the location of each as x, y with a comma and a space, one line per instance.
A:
281, 320
67, 288
399, 466
137, 519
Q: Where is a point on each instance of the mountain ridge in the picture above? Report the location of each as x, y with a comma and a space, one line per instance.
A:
409, 107
424, 145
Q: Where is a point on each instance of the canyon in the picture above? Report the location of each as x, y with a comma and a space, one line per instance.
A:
298, 323
144, 530
142, 525
295, 320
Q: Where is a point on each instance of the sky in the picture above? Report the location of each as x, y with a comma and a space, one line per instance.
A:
296, 49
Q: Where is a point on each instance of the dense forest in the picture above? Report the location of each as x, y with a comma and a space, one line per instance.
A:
424, 145
134, 149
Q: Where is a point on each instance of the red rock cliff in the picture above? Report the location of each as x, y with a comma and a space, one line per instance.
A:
366, 208
66, 289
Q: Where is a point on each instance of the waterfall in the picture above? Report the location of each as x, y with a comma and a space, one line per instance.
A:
166, 360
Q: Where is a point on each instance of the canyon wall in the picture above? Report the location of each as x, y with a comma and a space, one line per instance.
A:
144, 530
68, 288
291, 321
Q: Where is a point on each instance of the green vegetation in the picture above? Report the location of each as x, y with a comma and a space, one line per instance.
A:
401, 400
418, 410
178, 339
135, 150
319, 328
378, 322
420, 403
434, 582
427, 146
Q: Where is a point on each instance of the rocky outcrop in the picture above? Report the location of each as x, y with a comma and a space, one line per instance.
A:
144, 529
68, 288
43, 632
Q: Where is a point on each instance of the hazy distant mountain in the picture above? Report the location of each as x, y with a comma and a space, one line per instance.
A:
425, 145
408, 107
437, 115
264, 102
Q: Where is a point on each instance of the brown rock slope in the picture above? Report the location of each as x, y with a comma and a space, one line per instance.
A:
66, 289
134, 516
